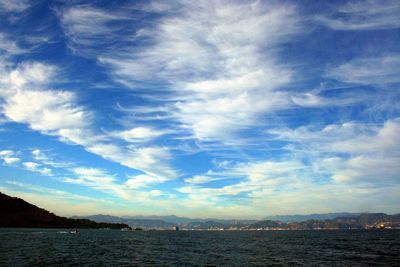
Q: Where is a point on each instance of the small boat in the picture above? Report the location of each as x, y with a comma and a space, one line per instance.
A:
126, 229
75, 231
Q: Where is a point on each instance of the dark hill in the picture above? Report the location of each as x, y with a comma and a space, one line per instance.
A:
15, 212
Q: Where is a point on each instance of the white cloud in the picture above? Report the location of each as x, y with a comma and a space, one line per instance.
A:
248, 177
200, 179
344, 158
30, 165
8, 46
379, 70
97, 176
141, 180
309, 100
368, 152
220, 76
45, 111
37, 154
36, 167
382, 140
87, 27
131, 190
151, 160
11, 160
6, 153
99, 180
28, 73
44, 158
365, 169
57, 113
50, 191
139, 134
155, 193
364, 15
14, 6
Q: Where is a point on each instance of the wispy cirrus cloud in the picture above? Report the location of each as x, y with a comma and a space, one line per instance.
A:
334, 157
9, 157
47, 159
56, 113
50, 191
364, 15
36, 167
378, 70
218, 76
345, 151
87, 27
132, 190
9, 47
139, 134
27, 99
14, 6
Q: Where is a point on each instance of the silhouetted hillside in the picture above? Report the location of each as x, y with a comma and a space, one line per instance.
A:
15, 212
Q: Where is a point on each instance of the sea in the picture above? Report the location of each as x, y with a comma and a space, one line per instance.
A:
60, 247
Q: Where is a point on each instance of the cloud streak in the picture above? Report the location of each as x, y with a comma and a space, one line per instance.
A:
27, 99
380, 70
364, 16
219, 76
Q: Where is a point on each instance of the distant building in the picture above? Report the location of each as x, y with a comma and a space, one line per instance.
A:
176, 228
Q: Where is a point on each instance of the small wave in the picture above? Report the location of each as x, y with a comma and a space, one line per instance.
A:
38, 233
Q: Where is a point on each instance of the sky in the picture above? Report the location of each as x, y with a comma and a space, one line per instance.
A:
223, 109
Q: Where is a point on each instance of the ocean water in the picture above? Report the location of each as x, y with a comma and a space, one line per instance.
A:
45, 247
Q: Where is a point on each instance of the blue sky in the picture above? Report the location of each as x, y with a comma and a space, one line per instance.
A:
228, 109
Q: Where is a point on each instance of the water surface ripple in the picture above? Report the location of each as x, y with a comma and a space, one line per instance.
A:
45, 247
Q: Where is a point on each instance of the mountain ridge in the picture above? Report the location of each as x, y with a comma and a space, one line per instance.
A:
312, 216
16, 212
345, 221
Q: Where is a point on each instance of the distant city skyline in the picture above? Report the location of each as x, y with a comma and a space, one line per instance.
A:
206, 109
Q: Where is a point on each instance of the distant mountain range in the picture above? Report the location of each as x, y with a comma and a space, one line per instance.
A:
162, 222
15, 212
155, 221
182, 220
361, 221
316, 216
134, 223
334, 221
